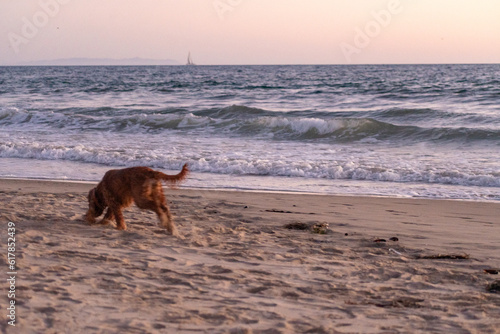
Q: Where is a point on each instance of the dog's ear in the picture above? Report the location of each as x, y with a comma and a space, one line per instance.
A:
96, 204
94, 200
91, 195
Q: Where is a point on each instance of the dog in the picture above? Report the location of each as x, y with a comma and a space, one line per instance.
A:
120, 188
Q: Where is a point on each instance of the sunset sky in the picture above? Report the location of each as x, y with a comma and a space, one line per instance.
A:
253, 31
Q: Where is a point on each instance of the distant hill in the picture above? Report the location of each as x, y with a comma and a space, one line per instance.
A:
101, 62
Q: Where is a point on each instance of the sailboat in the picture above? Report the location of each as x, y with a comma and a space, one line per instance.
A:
190, 60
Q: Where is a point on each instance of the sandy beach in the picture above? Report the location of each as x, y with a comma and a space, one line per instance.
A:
252, 262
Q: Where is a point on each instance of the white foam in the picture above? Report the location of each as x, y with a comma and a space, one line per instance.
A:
219, 155
69, 170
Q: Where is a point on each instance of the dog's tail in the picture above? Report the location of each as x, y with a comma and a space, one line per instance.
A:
173, 179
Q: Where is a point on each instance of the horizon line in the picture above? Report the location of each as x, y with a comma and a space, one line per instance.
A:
275, 64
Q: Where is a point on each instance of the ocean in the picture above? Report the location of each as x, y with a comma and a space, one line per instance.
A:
427, 131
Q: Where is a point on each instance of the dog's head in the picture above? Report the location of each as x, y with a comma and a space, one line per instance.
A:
96, 206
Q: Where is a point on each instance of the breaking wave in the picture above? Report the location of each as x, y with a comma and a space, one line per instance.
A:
241, 121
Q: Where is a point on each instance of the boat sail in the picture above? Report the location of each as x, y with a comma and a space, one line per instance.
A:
190, 60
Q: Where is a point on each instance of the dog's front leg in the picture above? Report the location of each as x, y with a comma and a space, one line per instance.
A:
90, 217
120, 222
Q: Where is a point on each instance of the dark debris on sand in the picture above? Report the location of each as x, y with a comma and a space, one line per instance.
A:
297, 226
278, 211
493, 287
444, 257
492, 271
319, 228
395, 239
400, 302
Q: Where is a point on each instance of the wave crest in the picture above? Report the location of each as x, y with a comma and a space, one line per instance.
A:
242, 121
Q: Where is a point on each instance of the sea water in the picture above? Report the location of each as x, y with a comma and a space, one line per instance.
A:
429, 131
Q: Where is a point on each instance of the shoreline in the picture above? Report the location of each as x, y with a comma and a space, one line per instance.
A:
66, 171
238, 269
10, 183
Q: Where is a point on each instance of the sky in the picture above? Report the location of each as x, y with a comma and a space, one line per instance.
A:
253, 31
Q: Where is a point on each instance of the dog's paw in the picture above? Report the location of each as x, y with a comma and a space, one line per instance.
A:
175, 233
107, 222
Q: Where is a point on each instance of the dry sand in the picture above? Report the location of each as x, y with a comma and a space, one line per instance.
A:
238, 270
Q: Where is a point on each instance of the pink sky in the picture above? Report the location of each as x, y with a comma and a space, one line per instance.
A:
253, 31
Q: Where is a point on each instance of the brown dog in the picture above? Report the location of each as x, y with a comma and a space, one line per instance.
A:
120, 188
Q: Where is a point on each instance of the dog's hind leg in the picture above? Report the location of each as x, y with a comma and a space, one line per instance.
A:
163, 213
166, 219
154, 199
